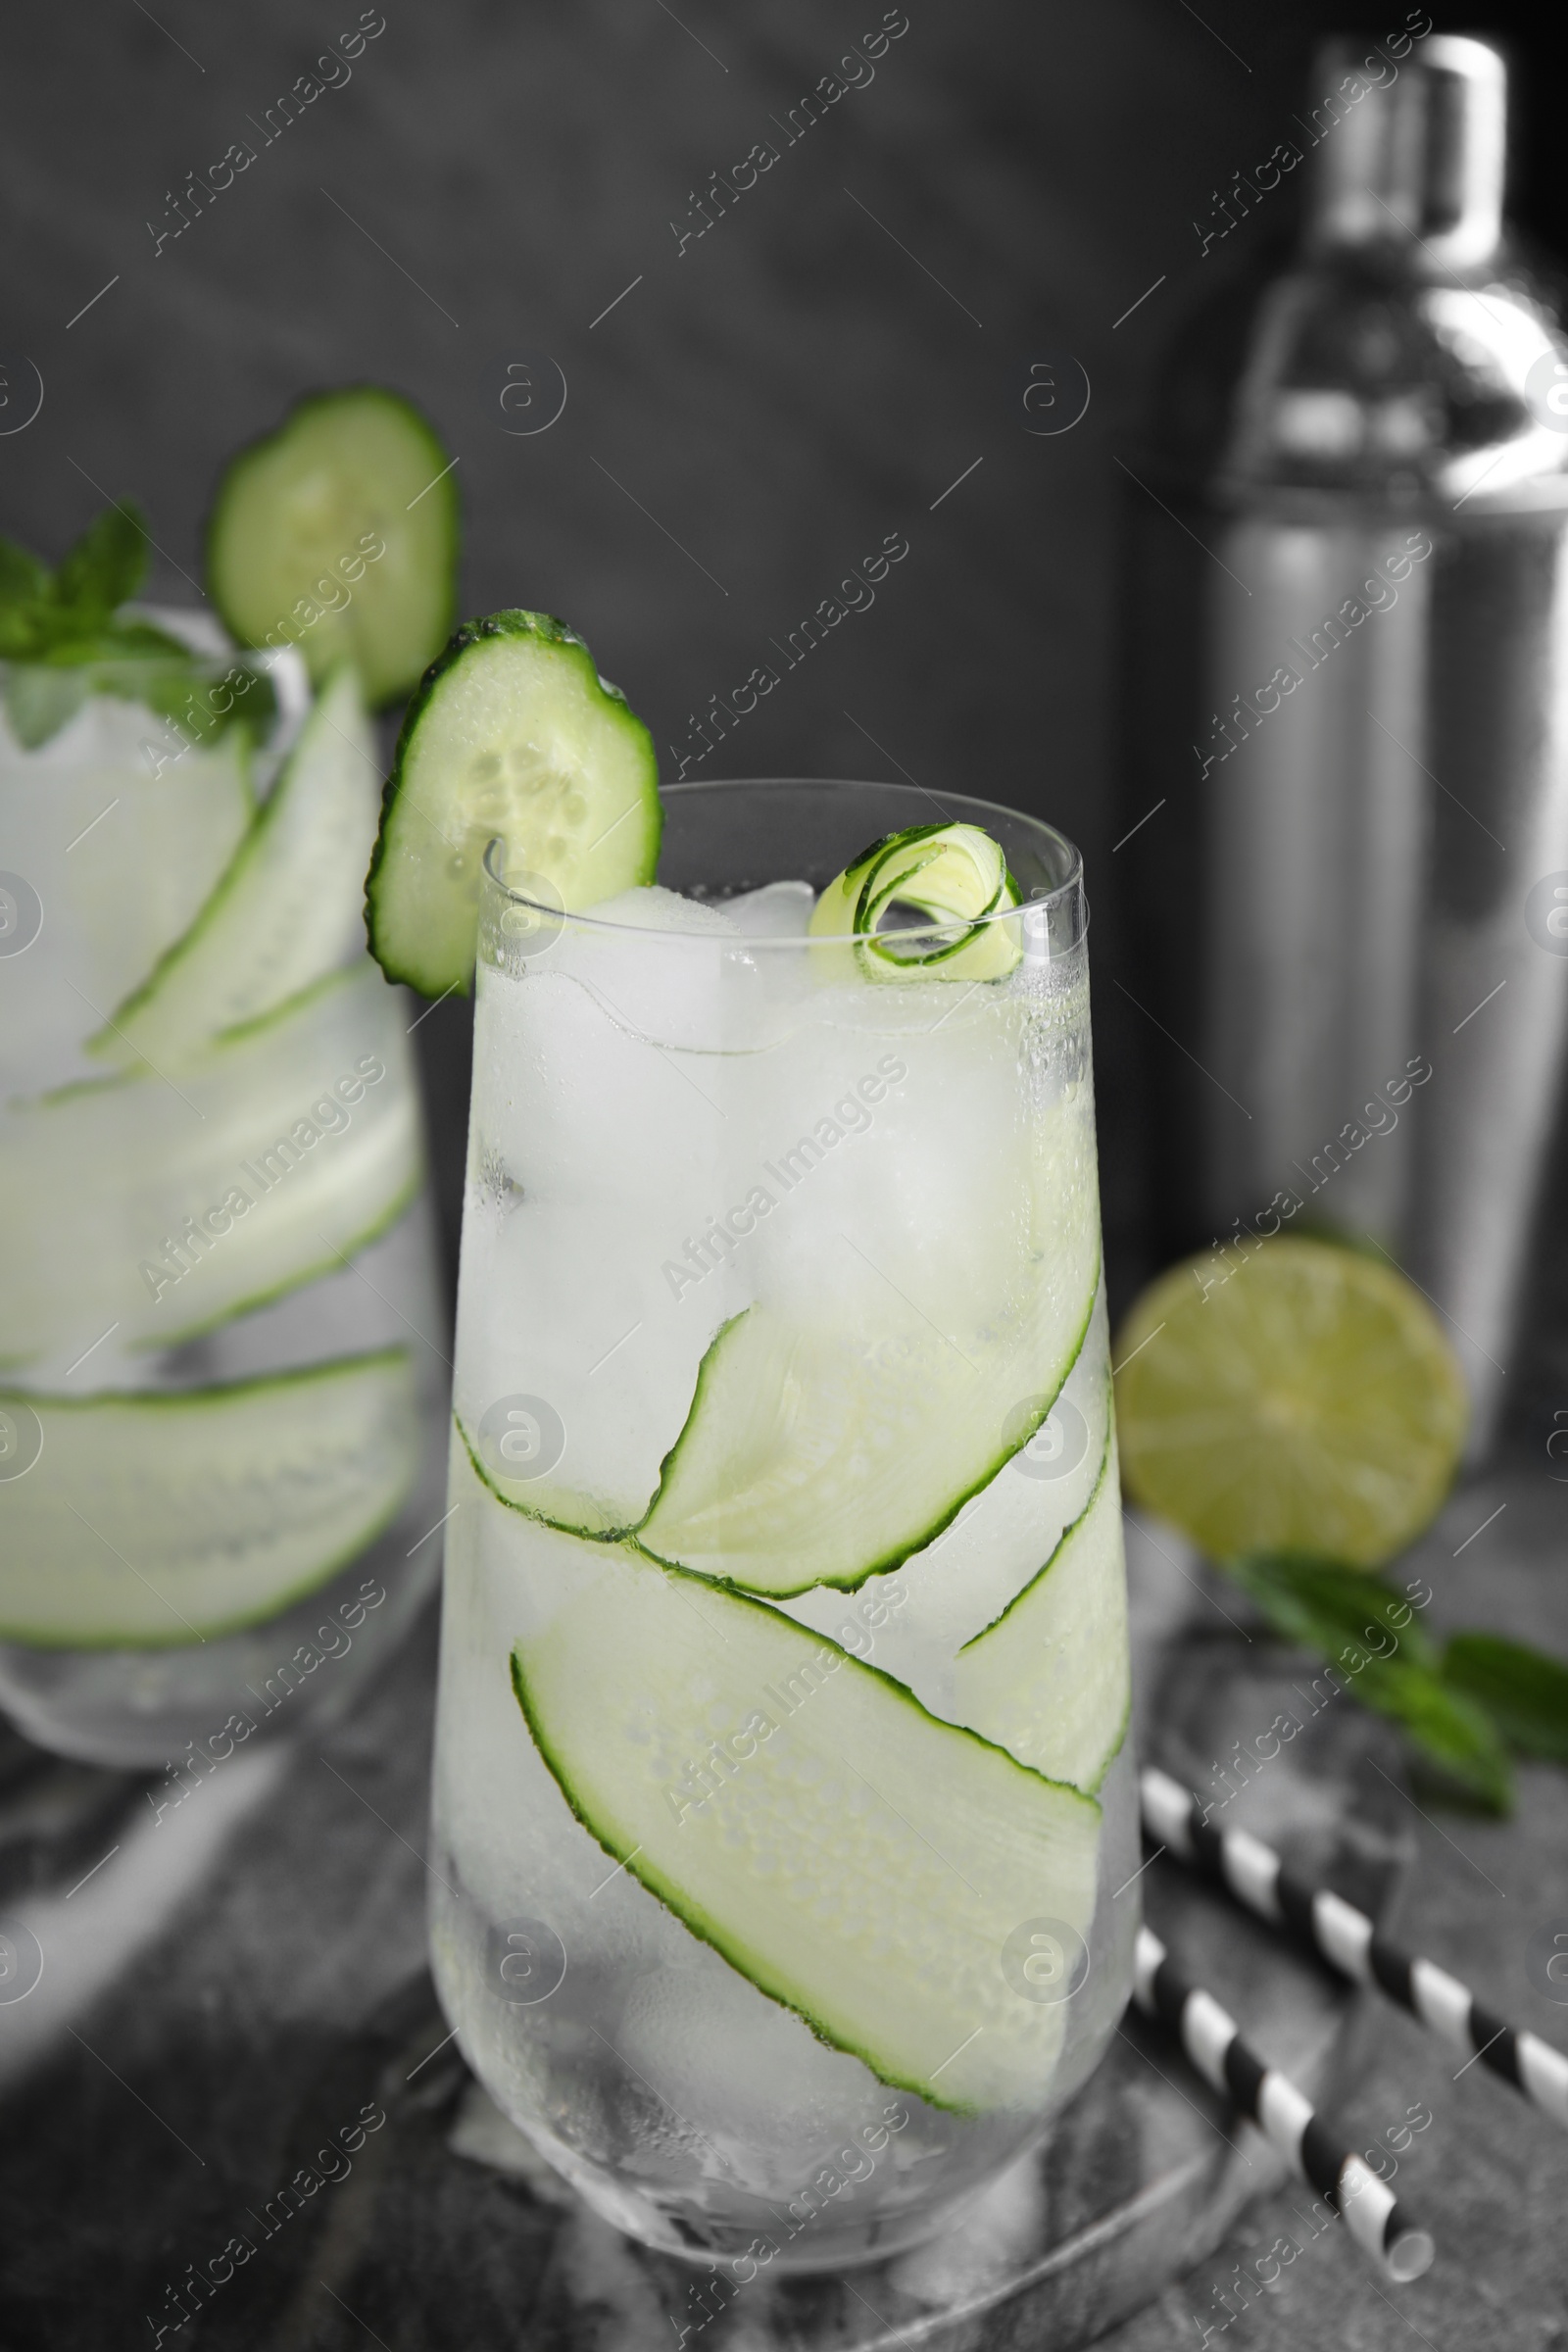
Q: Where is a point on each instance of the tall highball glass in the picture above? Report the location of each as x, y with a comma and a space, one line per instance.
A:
782, 1777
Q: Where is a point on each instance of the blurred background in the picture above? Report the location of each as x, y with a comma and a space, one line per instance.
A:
496, 209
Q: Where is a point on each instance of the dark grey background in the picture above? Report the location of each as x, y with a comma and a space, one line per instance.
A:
770, 401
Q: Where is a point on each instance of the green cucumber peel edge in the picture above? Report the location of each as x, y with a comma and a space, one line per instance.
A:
514, 620
250, 844
136, 1073
870, 902
1049, 1562
253, 1384
630, 1533
139, 1073
894, 1559
334, 1264
525, 1510
1125, 1723
707, 1931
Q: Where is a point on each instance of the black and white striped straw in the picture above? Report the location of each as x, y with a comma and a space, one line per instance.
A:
1284, 2115
1347, 1940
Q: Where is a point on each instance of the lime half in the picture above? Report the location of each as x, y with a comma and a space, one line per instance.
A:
1308, 1402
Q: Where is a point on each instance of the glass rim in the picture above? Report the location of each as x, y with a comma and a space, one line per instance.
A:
1045, 901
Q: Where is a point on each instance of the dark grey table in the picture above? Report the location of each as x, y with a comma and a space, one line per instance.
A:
1489, 2176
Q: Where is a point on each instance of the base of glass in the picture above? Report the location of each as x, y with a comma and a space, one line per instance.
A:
827, 2237
706, 2122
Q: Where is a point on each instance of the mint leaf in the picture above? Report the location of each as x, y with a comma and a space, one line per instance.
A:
62, 641
1446, 1725
199, 704
118, 642
1523, 1690
24, 586
21, 636
49, 616
1372, 1636
135, 640
1334, 1609
22, 578
103, 571
41, 701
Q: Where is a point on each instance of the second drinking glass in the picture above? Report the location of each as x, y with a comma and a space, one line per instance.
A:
221, 1360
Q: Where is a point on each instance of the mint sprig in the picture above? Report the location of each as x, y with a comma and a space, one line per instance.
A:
64, 637
102, 571
1465, 1708
46, 615
1524, 1691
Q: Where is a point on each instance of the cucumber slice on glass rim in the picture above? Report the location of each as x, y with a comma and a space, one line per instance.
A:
339, 533
954, 877
156, 1520
512, 735
856, 1858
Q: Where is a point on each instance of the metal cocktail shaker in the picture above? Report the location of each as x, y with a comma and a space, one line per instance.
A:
1349, 735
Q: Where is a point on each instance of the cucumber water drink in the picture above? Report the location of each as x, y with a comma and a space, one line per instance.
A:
782, 1787
219, 1330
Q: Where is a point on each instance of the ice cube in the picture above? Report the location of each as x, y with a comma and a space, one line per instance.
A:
902, 1170
652, 908
119, 857
595, 1268
664, 968
556, 1307
778, 911
750, 2078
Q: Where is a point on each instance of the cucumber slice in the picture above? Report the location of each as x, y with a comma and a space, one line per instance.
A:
288, 1146
513, 733
1049, 1680
857, 1859
286, 912
939, 1598
955, 875
812, 1457
155, 1521
292, 539
824, 1447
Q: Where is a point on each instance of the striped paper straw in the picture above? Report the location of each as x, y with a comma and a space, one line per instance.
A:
1347, 1940
1210, 2036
